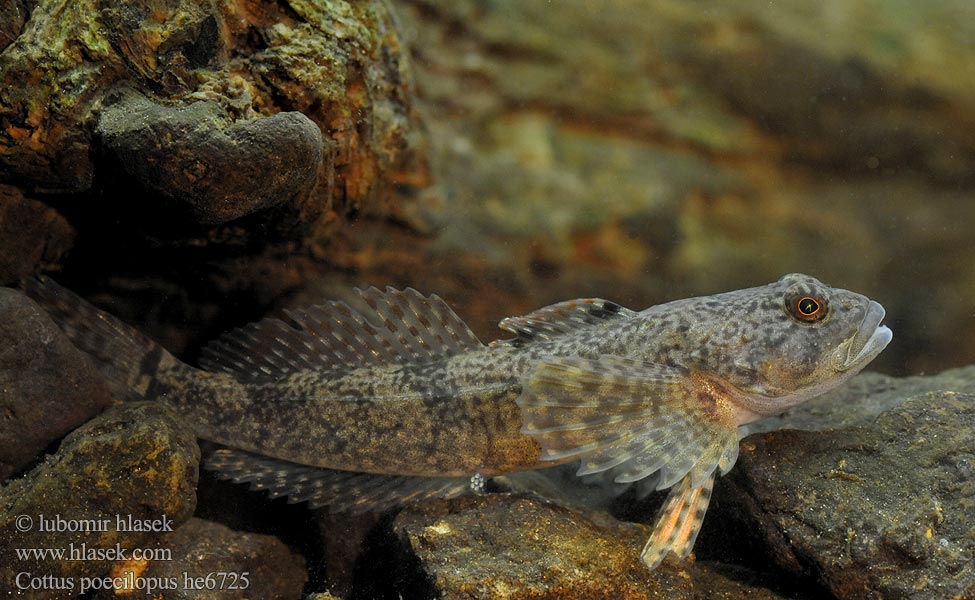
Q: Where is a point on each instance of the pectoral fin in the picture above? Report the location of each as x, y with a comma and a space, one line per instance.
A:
633, 420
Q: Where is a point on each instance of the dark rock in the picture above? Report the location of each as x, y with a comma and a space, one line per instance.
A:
134, 461
343, 66
13, 15
47, 386
31, 234
239, 565
864, 398
222, 170
882, 511
509, 546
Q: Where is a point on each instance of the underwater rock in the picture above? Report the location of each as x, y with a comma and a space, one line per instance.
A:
879, 511
13, 15
134, 462
47, 386
864, 398
239, 565
340, 64
504, 546
196, 156
31, 233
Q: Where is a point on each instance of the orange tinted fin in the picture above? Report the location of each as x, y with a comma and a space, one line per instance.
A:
679, 521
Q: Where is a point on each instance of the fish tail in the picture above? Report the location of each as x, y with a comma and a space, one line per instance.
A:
679, 522
129, 360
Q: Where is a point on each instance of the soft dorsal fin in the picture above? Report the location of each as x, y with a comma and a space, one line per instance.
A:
396, 327
340, 491
562, 318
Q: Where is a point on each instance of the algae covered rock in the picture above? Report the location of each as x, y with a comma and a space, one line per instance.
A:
114, 486
879, 511
517, 547
47, 386
340, 64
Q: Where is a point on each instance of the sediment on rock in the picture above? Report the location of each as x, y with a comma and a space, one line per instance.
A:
135, 461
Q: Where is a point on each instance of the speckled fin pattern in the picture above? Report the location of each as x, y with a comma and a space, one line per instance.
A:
632, 417
127, 358
679, 521
399, 326
564, 318
340, 491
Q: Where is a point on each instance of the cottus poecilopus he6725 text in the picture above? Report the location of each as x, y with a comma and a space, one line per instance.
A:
399, 401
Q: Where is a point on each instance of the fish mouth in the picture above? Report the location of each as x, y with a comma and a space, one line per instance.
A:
869, 340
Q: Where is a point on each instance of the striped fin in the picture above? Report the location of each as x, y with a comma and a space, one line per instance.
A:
128, 359
635, 421
679, 521
340, 491
396, 327
629, 416
562, 318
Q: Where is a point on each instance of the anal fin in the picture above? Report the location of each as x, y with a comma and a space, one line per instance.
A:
340, 491
679, 521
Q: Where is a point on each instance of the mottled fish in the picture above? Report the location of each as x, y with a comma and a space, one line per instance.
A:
363, 409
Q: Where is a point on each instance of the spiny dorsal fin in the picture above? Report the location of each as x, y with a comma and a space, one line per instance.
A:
340, 491
396, 327
562, 318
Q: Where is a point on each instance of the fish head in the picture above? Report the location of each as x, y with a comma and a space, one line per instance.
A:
780, 344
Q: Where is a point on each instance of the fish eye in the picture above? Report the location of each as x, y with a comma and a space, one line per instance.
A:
807, 308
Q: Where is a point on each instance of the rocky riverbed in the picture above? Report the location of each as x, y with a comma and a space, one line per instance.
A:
870, 498
192, 167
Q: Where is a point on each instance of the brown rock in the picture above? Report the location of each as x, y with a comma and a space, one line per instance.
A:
31, 233
210, 561
511, 547
135, 461
47, 386
13, 15
342, 65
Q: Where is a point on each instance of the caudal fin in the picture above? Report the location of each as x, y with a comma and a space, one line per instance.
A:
128, 359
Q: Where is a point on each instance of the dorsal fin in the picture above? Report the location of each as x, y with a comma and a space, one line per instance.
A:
396, 327
562, 318
340, 491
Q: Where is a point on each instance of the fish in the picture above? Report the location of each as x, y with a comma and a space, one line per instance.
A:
398, 400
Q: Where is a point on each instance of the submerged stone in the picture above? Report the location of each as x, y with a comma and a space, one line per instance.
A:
505, 546
31, 233
218, 170
47, 386
210, 560
879, 511
135, 461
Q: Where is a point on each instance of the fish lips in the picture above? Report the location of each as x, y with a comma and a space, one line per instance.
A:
870, 339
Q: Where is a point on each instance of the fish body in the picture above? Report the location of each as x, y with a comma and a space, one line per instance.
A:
400, 400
